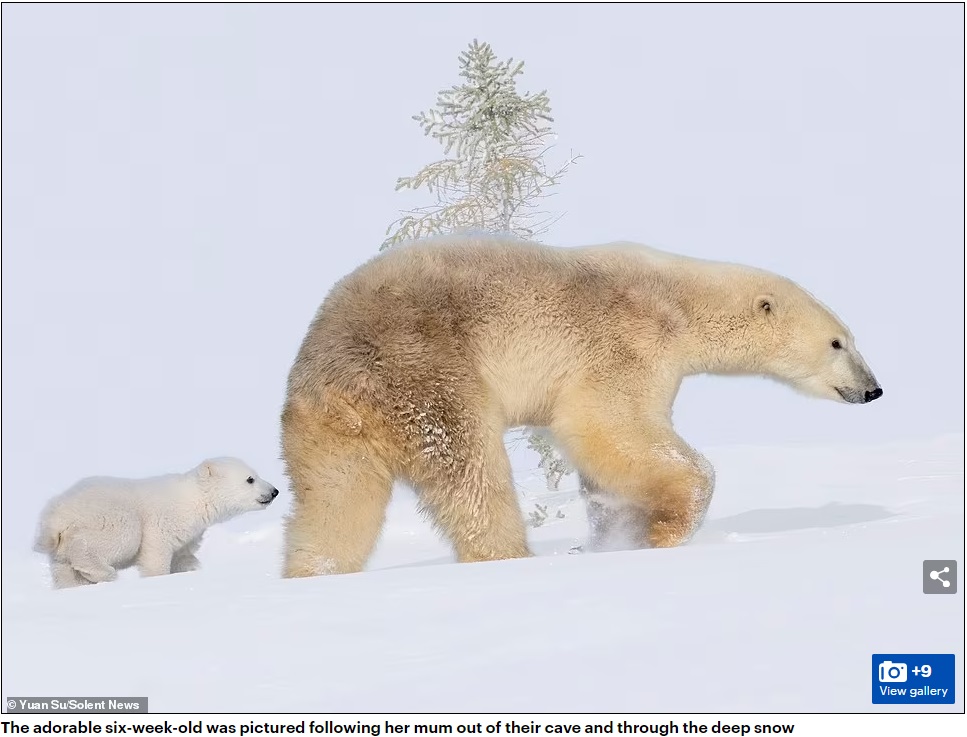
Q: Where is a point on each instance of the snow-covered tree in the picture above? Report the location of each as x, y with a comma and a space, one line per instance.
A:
552, 464
493, 177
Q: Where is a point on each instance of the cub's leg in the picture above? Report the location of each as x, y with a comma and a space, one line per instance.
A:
63, 576
184, 559
84, 557
155, 556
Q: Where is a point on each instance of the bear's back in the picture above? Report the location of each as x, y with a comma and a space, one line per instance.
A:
463, 305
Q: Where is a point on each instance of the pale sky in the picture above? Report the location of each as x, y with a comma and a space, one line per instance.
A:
182, 184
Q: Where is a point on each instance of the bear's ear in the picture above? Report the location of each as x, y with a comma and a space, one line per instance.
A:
764, 305
205, 470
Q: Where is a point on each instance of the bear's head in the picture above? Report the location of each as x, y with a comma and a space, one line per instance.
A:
229, 486
810, 348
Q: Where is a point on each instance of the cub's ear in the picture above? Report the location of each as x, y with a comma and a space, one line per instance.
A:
764, 305
205, 470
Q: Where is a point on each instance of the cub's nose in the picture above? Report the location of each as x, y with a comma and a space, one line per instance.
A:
275, 492
875, 394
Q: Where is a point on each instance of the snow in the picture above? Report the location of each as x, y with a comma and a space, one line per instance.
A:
809, 562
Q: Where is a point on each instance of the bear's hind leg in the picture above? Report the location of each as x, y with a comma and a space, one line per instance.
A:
471, 499
63, 576
340, 490
667, 483
85, 559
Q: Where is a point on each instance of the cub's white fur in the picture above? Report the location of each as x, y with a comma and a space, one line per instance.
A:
104, 524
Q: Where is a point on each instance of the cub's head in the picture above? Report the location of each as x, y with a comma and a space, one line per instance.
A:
232, 487
807, 346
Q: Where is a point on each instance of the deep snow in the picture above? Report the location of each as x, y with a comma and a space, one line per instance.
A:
809, 562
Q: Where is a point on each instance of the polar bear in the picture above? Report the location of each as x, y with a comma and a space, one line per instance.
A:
417, 363
104, 524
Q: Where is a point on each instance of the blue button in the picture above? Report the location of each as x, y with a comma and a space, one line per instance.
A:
913, 679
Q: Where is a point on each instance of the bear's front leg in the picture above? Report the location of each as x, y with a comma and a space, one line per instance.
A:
667, 484
182, 562
184, 559
679, 494
154, 565
155, 557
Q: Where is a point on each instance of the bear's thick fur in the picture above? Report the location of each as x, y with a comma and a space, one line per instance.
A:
419, 361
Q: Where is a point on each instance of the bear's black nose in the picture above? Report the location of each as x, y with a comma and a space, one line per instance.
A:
875, 394
275, 492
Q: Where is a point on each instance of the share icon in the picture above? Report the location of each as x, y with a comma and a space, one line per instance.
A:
940, 577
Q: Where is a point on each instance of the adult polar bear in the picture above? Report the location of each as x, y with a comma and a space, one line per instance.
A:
418, 361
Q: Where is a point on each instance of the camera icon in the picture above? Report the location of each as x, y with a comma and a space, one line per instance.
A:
891, 672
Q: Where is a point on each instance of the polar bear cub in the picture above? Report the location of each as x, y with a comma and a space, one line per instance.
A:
104, 524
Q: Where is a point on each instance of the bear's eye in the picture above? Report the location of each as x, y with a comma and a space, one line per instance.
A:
837, 345
250, 480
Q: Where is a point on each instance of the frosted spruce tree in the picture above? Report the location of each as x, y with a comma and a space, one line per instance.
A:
493, 176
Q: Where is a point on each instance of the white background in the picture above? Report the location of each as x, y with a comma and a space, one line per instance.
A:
183, 184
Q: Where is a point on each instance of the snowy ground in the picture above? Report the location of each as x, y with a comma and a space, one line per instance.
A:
809, 562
